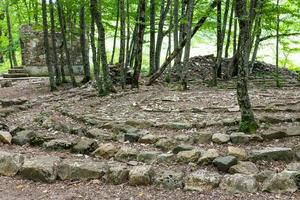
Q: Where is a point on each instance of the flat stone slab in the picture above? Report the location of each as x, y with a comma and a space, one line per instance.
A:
202, 181
239, 183
40, 168
72, 169
272, 153
10, 163
5, 137
141, 175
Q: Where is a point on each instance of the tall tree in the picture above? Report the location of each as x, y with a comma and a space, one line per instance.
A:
116, 32
139, 45
122, 42
84, 46
12, 52
46, 46
58, 79
189, 14
247, 123
277, 43
62, 23
152, 37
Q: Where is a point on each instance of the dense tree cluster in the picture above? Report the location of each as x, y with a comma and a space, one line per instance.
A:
239, 26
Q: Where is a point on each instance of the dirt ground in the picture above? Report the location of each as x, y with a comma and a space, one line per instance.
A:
163, 104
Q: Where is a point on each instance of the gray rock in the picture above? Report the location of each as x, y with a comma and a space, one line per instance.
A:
224, 163
71, 169
148, 157
40, 138
141, 175
165, 144
202, 137
40, 168
248, 168
293, 131
118, 175
148, 139
238, 152
85, 146
239, 138
280, 183
188, 156
99, 134
239, 183
169, 180
126, 154
58, 144
272, 153
220, 138
208, 156
184, 139
117, 127
132, 137
23, 137
263, 175
106, 151
5, 137
10, 163
202, 181
182, 147
166, 158
274, 134
293, 167
174, 125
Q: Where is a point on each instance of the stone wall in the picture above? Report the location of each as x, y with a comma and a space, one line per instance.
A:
33, 52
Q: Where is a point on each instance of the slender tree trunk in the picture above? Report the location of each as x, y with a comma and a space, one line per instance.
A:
123, 43
160, 33
248, 123
177, 51
277, 43
58, 79
46, 45
93, 10
128, 35
229, 30
63, 33
10, 38
176, 31
102, 48
84, 46
139, 45
152, 37
189, 14
116, 33
235, 34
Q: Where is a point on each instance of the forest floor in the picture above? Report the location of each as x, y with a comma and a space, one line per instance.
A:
160, 110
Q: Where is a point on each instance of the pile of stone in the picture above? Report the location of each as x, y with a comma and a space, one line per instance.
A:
116, 74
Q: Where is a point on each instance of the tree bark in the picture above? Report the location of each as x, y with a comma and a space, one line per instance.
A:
10, 39
58, 79
247, 123
152, 37
116, 33
229, 30
122, 43
46, 46
84, 46
139, 45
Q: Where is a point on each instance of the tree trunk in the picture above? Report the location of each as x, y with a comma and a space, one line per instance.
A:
122, 43
116, 33
93, 7
247, 123
128, 35
160, 33
84, 46
152, 37
102, 49
229, 30
10, 39
53, 38
177, 51
139, 45
189, 14
277, 43
63, 33
176, 31
46, 46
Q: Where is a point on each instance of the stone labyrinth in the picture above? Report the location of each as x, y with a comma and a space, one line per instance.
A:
158, 136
